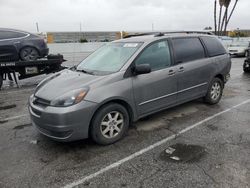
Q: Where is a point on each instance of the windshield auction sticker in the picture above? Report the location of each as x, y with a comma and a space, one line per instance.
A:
130, 45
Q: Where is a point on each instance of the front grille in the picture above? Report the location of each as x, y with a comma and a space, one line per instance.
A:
41, 102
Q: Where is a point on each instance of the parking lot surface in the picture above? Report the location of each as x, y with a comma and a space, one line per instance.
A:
192, 145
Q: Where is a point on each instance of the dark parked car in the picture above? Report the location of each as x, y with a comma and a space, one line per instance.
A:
15, 45
126, 80
246, 65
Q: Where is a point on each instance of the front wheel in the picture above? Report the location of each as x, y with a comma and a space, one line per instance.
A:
214, 92
109, 124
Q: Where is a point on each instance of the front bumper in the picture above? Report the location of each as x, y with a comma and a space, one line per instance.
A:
63, 124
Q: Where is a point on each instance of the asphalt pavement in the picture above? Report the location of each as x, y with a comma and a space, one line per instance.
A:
191, 145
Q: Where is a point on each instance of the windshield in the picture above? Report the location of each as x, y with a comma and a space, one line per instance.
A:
109, 58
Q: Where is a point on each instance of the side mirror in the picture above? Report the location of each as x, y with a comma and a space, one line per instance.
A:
142, 69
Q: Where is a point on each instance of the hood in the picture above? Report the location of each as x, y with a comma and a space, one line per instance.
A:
64, 82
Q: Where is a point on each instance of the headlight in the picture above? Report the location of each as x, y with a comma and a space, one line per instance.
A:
70, 98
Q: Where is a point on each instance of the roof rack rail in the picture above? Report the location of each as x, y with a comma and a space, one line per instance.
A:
139, 34
184, 32
160, 34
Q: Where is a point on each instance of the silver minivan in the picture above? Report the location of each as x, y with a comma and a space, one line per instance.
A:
126, 80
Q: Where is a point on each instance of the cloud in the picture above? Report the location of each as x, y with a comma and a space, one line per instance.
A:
108, 15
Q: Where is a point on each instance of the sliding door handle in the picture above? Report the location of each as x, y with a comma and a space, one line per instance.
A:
171, 72
181, 69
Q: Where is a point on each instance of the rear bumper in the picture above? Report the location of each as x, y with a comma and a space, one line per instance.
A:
44, 52
226, 78
63, 124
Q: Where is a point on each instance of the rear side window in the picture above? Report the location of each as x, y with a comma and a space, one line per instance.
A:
157, 55
11, 34
188, 49
214, 46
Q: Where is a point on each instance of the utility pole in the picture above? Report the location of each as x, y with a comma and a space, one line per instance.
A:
121, 32
37, 27
80, 33
152, 26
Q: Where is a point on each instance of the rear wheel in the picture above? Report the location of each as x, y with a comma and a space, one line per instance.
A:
245, 68
29, 54
109, 124
214, 92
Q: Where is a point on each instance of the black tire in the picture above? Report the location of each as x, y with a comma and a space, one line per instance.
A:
29, 54
245, 68
213, 95
96, 129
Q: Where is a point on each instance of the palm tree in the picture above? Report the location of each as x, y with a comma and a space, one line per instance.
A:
223, 21
215, 17
226, 4
230, 15
221, 3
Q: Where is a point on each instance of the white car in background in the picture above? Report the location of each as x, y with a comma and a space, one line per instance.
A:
239, 48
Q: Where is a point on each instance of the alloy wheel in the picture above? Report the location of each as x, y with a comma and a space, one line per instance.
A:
112, 124
215, 91
29, 54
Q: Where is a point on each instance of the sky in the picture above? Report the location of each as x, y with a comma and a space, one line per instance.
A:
115, 15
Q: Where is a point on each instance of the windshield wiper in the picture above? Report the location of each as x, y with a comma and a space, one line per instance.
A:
84, 71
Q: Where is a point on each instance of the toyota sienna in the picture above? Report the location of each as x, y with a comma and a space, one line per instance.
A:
126, 80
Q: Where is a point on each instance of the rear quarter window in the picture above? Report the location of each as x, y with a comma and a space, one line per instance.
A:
188, 49
11, 34
214, 46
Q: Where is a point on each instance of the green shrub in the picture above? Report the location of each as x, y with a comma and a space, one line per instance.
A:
83, 40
